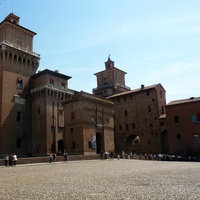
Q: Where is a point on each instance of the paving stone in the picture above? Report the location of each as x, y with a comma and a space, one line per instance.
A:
102, 179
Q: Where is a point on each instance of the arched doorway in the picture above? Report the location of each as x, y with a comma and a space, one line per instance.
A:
60, 146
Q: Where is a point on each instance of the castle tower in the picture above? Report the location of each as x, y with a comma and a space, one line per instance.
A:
110, 81
47, 90
18, 63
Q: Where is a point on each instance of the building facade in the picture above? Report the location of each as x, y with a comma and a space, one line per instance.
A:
47, 90
183, 124
32, 118
31, 115
18, 63
89, 124
39, 114
137, 119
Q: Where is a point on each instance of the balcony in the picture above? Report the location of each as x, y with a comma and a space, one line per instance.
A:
50, 86
4, 42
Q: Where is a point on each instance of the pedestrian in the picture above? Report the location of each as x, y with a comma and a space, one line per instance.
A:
11, 159
112, 155
14, 159
65, 156
54, 157
102, 155
123, 154
6, 158
50, 157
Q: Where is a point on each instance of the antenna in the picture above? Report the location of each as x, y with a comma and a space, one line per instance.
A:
12, 6
109, 55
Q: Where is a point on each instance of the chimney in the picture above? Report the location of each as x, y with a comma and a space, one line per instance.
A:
142, 87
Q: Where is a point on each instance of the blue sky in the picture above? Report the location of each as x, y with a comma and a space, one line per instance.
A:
154, 41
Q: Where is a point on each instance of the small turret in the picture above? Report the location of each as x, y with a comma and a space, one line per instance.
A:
109, 64
13, 18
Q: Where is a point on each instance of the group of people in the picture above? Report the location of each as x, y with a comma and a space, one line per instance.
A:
10, 160
107, 155
52, 157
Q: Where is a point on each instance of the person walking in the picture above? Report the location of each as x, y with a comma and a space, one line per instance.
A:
50, 158
11, 159
6, 158
65, 156
14, 159
54, 157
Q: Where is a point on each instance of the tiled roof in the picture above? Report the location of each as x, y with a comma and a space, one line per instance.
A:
133, 91
181, 101
53, 73
113, 68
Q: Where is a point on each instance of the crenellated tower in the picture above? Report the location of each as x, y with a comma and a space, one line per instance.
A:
18, 63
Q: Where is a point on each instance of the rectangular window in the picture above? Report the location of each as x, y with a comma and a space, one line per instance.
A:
198, 117
18, 116
71, 130
126, 126
149, 108
124, 98
72, 115
133, 125
51, 82
120, 127
125, 113
195, 117
38, 110
178, 136
150, 125
62, 86
176, 119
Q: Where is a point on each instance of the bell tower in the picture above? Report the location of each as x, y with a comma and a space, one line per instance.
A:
110, 81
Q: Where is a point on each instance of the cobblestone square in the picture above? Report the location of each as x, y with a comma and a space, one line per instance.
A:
102, 179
